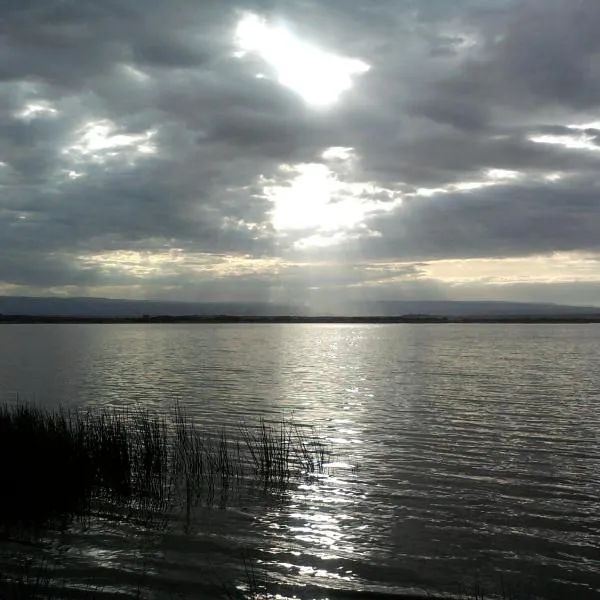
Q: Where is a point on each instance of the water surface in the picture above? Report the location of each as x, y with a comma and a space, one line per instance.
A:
465, 451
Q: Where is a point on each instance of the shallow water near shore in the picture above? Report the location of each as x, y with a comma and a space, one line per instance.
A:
462, 453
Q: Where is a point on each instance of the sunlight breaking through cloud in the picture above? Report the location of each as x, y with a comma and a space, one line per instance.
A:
98, 141
309, 131
311, 201
318, 76
583, 141
33, 110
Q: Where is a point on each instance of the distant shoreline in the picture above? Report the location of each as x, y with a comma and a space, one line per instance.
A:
207, 319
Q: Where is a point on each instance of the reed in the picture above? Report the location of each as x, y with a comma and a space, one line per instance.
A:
56, 465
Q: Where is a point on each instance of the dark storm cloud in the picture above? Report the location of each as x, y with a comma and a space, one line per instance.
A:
454, 89
541, 55
54, 270
443, 157
69, 42
217, 129
516, 219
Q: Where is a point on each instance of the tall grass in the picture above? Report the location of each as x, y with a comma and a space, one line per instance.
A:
56, 465
277, 453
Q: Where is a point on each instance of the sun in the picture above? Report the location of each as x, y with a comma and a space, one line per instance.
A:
318, 76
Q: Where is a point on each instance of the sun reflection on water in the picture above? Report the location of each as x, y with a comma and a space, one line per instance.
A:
312, 537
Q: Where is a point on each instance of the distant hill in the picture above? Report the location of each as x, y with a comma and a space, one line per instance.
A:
107, 307
455, 308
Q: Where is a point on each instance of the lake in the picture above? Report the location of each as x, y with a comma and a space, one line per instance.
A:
463, 453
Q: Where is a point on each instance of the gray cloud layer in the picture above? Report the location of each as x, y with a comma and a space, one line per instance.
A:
452, 93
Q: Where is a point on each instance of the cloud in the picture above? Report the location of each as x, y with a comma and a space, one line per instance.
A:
540, 57
137, 127
518, 219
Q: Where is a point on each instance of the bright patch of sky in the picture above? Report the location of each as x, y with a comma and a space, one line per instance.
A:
316, 203
314, 199
560, 267
98, 141
33, 110
491, 177
581, 141
320, 77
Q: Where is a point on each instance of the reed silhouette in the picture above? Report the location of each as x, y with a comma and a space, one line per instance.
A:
58, 464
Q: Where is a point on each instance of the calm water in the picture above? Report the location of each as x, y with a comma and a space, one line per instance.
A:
465, 451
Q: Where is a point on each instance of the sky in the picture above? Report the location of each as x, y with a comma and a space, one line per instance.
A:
305, 151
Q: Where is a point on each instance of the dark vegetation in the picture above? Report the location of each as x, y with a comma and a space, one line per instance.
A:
59, 465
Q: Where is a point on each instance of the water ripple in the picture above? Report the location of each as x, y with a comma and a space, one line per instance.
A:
461, 451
